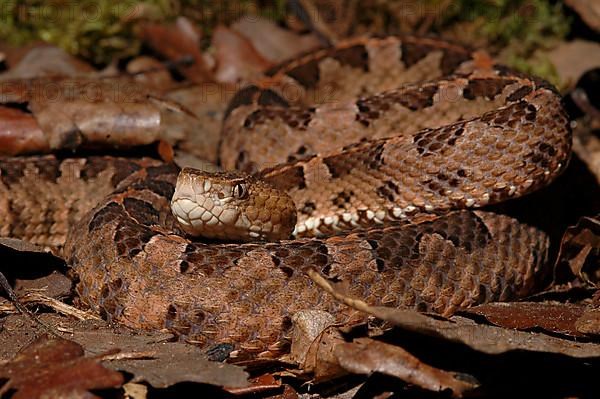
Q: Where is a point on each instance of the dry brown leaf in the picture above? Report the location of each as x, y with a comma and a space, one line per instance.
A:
586, 143
53, 285
150, 72
366, 356
34, 268
589, 322
274, 43
20, 133
208, 102
235, 57
288, 393
580, 248
45, 60
52, 368
586, 53
163, 363
557, 318
148, 357
320, 359
588, 10
18, 245
135, 391
114, 113
307, 326
483, 338
262, 383
176, 42
331, 20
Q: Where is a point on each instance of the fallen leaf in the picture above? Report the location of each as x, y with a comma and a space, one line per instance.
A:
20, 133
45, 60
262, 383
54, 285
208, 102
480, 337
18, 245
586, 53
235, 57
114, 113
135, 391
588, 10
164, 363
586, 143
150, 72
30, 265
367, 356
273, 42
589, 321
52, 367
559, 318
580, 249
320, 358
307, 325
177, 42
149, 357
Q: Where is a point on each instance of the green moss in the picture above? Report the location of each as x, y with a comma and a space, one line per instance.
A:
100, 30
521, 29
514, 30
529, 21
94, 29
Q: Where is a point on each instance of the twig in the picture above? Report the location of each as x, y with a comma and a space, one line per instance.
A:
41, 299
12, 297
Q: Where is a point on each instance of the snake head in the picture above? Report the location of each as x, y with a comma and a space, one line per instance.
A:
231, 206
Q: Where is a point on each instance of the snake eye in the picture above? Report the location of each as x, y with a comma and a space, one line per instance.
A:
240, 191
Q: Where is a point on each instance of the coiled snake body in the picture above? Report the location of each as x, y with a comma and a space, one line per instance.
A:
480, 135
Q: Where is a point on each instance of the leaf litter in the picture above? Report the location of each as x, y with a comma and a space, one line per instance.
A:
326, 360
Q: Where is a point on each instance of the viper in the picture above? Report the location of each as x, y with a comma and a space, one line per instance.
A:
364, 161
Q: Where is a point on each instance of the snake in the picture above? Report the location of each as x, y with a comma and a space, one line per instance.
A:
367, 162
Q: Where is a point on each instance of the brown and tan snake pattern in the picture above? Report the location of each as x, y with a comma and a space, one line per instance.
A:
479, 136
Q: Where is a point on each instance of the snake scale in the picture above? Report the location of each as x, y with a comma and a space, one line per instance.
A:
382, 143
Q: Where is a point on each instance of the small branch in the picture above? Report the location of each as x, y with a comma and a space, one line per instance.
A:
12, 297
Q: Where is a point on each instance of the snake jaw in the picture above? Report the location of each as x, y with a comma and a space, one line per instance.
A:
231, 206
203, 208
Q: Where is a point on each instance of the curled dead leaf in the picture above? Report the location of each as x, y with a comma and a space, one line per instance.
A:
589, 321
164, 363
366, 356
483, 338
235, 57
588, 10
91, 113
52, 367
558, 318
307, 326
20, 133
176, 42
45, 60
580, 249
273, 42
320, 358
